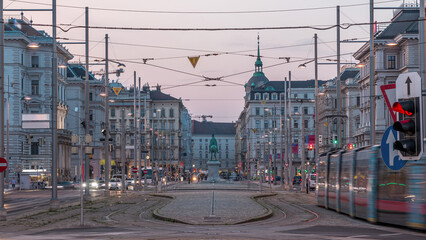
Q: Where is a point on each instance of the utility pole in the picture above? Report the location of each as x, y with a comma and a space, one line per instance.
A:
139, 136
107, 163
3, 212
86, 107
135, 127
285, 129
54, 203
316, 125
281, 140
339, 98
372, 89
303, 149
123, 150
290, 164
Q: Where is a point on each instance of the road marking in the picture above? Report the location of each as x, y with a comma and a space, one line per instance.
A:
390, 234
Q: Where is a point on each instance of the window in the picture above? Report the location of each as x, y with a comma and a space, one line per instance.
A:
305, 110
282, 111
163, 113
305, 96
34, 87
90, 96
227, 155
201, 147
265, 111
112, 112
113, 126
403, 58
22, 58
391, 62
34, 61
171, 113
206, 147
257, 111
257, 124
91, 115
295, 109
34, 148
274, 111
296, 124
257, 96
172, 126
358, 101
274, 124
172, 139
142, 112
266, 125
265, 96
274, 96
306, 123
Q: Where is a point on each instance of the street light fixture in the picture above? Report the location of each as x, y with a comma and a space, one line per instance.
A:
33, 45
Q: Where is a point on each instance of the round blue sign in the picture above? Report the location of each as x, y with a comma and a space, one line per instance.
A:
389, 154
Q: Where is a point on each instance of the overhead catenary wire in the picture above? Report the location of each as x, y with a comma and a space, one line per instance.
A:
207, 12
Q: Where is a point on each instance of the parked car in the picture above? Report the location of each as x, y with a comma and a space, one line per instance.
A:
63, 185
311, 180
93, 184
114, 183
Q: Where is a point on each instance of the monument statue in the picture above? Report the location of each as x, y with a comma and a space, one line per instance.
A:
213, 148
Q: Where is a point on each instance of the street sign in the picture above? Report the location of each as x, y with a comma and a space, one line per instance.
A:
408, 85
286, 164
3, 164
194, 60
389, 92
145, 171
134, 170
389, 154
116, 90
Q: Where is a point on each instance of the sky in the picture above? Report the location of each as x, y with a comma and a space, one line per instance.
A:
230, 53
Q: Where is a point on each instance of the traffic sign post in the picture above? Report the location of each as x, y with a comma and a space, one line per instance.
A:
409, 106
145, 171
389, 154
3, 165
134, 170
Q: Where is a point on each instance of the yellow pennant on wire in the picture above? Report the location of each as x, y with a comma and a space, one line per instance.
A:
194, 60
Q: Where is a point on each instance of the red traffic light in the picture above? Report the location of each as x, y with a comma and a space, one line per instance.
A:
311, 146
404, 107
350, 146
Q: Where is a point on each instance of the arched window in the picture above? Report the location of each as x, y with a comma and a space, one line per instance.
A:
257, 96
265, 96
274, 96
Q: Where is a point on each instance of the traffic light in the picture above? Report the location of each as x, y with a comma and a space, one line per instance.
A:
410, 143
335, 140
351, 146
311, 146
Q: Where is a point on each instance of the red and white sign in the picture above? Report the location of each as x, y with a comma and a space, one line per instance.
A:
389, 94
145, 171
286, 164
3, 164
134, 170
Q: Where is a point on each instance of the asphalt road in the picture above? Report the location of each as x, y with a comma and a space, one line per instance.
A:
129, 216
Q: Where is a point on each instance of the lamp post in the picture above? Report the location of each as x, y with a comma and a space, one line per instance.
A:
106, 150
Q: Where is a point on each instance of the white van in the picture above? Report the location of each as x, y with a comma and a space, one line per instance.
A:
312, 180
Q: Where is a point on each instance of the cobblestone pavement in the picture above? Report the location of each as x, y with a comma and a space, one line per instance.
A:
294, 215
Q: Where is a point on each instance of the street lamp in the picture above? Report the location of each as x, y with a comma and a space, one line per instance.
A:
33, 45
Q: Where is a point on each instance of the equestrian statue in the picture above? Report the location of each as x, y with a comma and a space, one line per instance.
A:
213, 148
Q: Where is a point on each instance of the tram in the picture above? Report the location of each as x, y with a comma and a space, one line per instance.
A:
360, 184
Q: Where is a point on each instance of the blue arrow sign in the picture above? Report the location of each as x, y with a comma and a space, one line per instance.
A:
389, 155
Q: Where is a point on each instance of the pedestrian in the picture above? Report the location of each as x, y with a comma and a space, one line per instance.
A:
13, 184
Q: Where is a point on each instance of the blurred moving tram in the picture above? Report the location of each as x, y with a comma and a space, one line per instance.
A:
359, 183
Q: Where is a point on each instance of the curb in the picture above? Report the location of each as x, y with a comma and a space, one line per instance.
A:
267, 215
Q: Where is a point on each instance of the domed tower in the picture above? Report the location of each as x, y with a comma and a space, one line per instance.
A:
258, 78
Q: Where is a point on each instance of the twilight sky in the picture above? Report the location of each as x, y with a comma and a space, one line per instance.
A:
170, 49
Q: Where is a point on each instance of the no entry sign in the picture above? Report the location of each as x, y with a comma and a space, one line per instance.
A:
3, 164
134, 170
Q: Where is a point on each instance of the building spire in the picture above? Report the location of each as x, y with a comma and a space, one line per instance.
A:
258, 64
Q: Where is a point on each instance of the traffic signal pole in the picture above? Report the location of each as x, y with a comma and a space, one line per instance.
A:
3, 211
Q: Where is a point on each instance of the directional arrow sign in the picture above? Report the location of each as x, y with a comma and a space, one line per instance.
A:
389, 155
411, 82
408, 81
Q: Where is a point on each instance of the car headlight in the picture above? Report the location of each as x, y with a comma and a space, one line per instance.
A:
84, 185
94, 185
118, 184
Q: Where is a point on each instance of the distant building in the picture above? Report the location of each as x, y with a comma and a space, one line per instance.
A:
328, 115
259, 135
225, 135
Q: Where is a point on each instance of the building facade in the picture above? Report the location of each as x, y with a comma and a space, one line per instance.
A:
28, 81
224, 133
